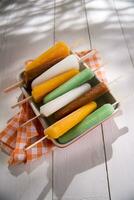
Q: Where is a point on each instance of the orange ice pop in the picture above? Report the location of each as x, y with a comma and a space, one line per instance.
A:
46, 60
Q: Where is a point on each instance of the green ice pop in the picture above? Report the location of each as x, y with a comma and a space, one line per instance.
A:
91, 120
74, 82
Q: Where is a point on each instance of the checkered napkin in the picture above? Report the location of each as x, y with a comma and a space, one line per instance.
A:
14, 139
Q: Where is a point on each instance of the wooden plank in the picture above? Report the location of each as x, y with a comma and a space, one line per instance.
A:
28, 30
71, 25
119, 135
125, 10
122, 163
79, 170
107, 35
27, 35
26, 181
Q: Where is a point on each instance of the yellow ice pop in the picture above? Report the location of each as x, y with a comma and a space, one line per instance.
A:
41, 90
46, 60
62, 126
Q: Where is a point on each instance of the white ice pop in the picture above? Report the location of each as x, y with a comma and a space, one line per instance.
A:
54, 105
66, 64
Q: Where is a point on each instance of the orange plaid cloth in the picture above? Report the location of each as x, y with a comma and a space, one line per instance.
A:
14, 139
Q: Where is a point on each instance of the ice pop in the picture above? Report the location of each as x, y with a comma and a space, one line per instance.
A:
48, 75
94, 93
74, 82
91, 120
41, 90
64, 65
62, 126
54, 105
46, 60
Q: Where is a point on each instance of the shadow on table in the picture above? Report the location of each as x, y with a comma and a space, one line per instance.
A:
86, 153
28, 168
81, 156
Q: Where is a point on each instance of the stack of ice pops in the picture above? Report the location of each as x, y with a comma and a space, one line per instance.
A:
61, 89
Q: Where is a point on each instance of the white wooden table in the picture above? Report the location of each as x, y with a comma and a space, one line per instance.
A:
99, 166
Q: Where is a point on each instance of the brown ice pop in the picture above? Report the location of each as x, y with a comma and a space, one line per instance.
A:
87, 97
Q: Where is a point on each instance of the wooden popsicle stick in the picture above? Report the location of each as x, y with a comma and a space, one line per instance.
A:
97, 69
35, 143
30, 120
88, 55
21, 102
76, 43
18, 84
114, 81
